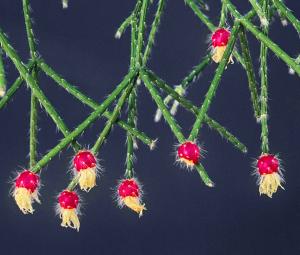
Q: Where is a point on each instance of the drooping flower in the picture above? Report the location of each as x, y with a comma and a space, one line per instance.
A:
270, 174
26, 190
68, 202
219, 41
189, 153
85, 165
130, 194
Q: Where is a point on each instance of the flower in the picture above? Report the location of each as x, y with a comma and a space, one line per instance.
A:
219, 41
85, 165
130, 194
68, 209
26, 190
188, 153
270, 175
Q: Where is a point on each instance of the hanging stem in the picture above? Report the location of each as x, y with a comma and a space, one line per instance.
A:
2, 76
188, 105
141, 32
91, 103
116, 113
84, 125
250, 72
153, 31
287, 13
223, 15
264, 39
131, 120
264, 87
215, 83
34, 102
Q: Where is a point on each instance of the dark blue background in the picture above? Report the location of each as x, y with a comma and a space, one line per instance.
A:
184, 216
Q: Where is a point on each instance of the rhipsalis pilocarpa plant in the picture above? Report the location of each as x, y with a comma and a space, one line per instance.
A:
124, 96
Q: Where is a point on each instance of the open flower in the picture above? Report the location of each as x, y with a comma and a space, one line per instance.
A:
85, 165
188, 153
130, 194
270, 174
26, 190
219, 41
68, 202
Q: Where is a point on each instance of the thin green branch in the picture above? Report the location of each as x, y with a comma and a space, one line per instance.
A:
223, 15
188, 105
2, 76
110, 122
204, 176
160, 104
84, 125
264, 39
215, 83
263, 19
122, 28
264, 86
250, 72
33, 130
141, 32
287, 13
93, 104
195, 72
131, 120
153, 31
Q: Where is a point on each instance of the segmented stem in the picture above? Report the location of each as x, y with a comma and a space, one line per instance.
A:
131, 120
84, 125
263, 19
264, 39
91, 103
160, 104
204, 176
196, 71
215, 83
2, 76
14, 87
287, 13
223, 16
188, 105
141, 32
250, 72
153, 31
264, 87
116, 113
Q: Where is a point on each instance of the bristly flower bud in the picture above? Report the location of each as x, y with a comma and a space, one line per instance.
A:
189, 153
26, 190
85, 165
68, 202
219, 40
129, 193
270, 174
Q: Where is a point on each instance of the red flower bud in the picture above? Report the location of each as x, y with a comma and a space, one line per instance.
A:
220, 37
189, 153
68, 199
267, 164
83, 160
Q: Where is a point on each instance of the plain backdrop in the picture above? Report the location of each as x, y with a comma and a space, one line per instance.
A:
183, 216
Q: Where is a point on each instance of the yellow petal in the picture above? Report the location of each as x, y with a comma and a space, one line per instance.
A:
24, 199
218, 53
269, 184
87, 179
134, 204
69, 218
